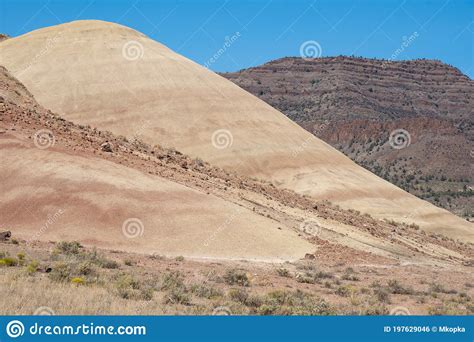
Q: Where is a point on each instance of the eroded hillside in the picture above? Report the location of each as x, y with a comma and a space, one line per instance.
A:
131, 85
355, 264
285, 214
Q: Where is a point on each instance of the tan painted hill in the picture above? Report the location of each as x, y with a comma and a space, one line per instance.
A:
55, 187
64, 181
112, 77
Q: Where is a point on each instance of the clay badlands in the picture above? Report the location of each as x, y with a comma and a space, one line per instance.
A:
150, 153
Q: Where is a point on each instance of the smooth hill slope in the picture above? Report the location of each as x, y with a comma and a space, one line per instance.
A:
70, 192
83, 70
354, 103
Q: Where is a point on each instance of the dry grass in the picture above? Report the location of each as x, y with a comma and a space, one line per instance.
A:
71, 279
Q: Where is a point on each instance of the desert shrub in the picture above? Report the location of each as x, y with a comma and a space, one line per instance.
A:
236, 277
391, 222
98, 259
71, 252
312, 278
8, 261
438, 288
130, 288
127, 281
306, 278
68, 247
199, 162
21, 258
68, 269
464, 297
382, 295
283, 272
243, 297
395, 287
146, 294
179, 258
343, 291
312, 274
173, 283
61, 272
375, 283
172, 280
157, 257
177, 295
323, 275
266, 310
446, 309
254, 301
212, 275
238, 295
109, 264
307, 266
205, 291
293, 303
78, 281
32, 267
350, 275
128, 262
85, 268
470, 308
374, 310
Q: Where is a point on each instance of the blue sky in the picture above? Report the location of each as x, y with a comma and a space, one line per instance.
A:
270, 29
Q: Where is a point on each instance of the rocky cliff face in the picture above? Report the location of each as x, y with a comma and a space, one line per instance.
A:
357, 105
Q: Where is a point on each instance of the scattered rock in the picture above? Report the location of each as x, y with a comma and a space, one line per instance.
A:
106, 147
5, 236
469, 263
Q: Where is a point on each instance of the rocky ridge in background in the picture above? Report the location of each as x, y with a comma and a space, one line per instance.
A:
355, 104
